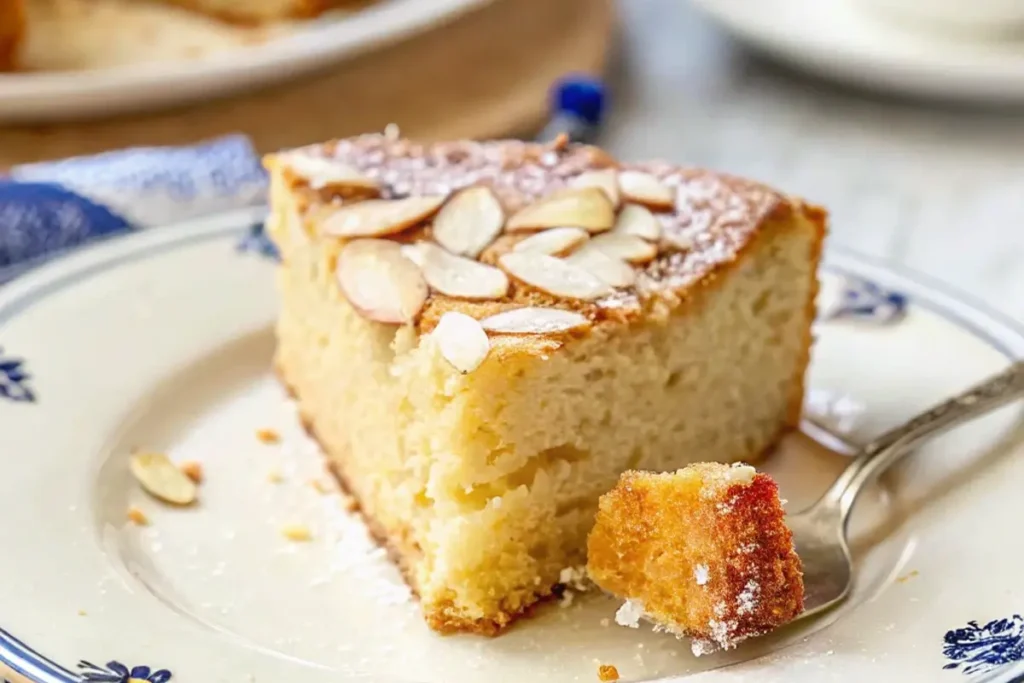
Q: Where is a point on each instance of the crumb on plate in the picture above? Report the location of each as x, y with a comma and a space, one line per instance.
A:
607, 672
268, 436
192, 469
137, 516
297, 532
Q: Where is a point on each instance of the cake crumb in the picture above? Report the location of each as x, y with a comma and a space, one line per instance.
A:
268, 436
574, 577
81, 613
193, 470
567, 598
908, 577
629, 614
275, 477
320, 486
137, 516
297, 532
606, 622
607, 672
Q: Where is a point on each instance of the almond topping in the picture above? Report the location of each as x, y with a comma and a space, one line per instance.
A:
556, 241
554, 276
455, 275
585, 207
321, 172
533, 320
643, 188
638, 220
379, 282
608, 269
469, 222
462, 341
626, 247
607, 181
379, 217
162, 479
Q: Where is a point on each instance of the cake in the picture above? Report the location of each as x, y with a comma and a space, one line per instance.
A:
702, 552
484, 335
12, 28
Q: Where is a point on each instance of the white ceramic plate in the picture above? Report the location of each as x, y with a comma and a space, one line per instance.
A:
163, 341
840, 40
74, 94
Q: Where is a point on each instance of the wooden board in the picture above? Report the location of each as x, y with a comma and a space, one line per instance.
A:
484, 75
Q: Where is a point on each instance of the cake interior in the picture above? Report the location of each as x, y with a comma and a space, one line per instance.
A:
484, 486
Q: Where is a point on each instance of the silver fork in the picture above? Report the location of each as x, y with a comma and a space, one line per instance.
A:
819, 532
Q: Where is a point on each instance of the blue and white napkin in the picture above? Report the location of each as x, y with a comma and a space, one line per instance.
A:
48, 208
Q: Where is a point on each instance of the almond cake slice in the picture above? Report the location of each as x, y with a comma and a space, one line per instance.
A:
479, 425
703, 552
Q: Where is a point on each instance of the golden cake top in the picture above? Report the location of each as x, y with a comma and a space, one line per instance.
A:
487, 228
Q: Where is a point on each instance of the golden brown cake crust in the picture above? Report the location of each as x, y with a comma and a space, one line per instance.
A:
300, 9
653, 531
715, 218
12, 28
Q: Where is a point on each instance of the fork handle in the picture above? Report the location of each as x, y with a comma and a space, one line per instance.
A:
885, 450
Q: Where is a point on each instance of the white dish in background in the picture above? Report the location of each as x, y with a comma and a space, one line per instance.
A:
846, 41
977, 17
163, 340
60, 95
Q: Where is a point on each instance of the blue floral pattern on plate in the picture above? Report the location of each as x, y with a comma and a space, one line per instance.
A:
116, 672
865, 300
976, 649
257, 241
14, 380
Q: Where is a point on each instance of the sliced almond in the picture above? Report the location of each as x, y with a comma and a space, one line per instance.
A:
162, 479
554, 276
456, 275
379, 282
586, 207
321, 172
556, 241
626, 247
462, 341
469, 221
608, 269
645, 189
606, 180
379, 217
638, 220
534, 320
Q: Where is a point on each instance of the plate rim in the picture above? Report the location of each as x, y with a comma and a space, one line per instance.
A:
997, 330
33, 97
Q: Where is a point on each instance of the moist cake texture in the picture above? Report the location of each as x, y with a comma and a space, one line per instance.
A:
484, 335
703, 552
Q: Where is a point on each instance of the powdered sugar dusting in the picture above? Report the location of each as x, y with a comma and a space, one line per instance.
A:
701, 574
747, 600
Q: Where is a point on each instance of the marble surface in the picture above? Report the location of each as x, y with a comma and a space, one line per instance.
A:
935, 188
